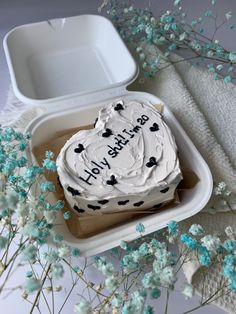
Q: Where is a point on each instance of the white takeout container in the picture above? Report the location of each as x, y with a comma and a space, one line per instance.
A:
92, 68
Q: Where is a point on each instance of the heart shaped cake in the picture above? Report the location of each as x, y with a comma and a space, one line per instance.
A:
128, 161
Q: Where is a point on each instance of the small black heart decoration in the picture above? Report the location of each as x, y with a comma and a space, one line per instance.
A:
79, 149
138, 204
157, 206
152, 162
112, 180
118, 107
107, 133
73, 191
154, 127
122, 203
94, 207
103, 202
79, 210
165, 190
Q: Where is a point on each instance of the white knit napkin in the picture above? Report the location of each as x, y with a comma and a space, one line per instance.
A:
207, 111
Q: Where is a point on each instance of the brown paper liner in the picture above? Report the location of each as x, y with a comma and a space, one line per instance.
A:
86, 226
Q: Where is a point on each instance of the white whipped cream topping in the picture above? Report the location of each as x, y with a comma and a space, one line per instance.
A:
138, 134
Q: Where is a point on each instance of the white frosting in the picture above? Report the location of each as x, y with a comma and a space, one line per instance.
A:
138, 134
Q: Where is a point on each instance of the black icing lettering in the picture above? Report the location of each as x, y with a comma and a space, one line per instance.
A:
131, 135
105, 163
120, 142
88, 178
135, 129
113, 152
143, 119
121, 136
96, 164
95, 171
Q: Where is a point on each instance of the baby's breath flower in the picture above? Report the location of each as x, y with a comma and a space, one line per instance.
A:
57, 271
228, 15
167, 276
196, 230
212, 243
204, 256
188, 291
50, 216
24, 295
49, 165
173, 228
148, 309
230, 232
107, 269
32, 284
47, 186
83, 307
49, 154
117, 301
51, 256
58, 238
230, 245
111, 283
3, 242
176, 2
63, 251
59, 205
29, 253
155, 293
75, 252
190, 242
123, 245
67, 215
140, 227
29, 274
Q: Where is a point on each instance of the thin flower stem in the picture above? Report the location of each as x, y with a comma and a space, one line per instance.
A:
68, 295
206, 302
8, 275
39, 291
134, 279
81, 277
15, 253
167, 301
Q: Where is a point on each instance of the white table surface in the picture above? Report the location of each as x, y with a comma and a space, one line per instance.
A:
14, 13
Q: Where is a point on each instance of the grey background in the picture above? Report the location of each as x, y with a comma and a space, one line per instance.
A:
18, 12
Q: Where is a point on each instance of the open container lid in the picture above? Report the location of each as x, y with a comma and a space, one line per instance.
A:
67, 58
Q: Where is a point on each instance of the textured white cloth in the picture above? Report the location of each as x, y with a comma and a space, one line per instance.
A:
207, 111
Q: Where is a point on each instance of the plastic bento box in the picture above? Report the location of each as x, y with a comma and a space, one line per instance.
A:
75, 66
